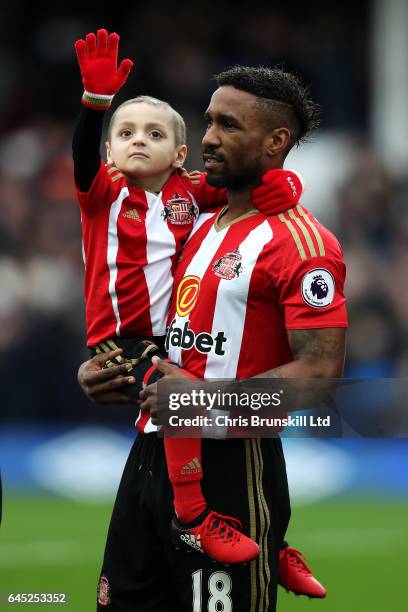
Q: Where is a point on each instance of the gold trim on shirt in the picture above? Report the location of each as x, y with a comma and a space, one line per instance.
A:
249, 213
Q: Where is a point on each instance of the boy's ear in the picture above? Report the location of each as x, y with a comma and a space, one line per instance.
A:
108, 152
181, 154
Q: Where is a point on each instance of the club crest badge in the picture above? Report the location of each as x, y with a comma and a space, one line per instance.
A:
179, 210
104, 591
318, 288
229, 266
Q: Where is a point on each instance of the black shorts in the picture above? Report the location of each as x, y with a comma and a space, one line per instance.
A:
141, 570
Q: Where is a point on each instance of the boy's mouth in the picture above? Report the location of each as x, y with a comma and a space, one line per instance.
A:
139, 154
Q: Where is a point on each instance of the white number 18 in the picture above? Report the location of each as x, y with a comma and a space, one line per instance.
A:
219, 588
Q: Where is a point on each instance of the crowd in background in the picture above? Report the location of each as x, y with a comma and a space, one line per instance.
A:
41, 269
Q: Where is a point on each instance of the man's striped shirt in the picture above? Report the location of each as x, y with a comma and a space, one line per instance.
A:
239, 288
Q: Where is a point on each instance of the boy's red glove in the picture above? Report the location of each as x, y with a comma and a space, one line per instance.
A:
98, 61
281, 189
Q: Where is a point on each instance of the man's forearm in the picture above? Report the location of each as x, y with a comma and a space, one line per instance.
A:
302, 368
318, 353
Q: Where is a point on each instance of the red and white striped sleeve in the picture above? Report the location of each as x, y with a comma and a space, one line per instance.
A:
308, 273
102, 185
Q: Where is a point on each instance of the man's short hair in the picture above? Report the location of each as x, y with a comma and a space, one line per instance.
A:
179, 126
280, 94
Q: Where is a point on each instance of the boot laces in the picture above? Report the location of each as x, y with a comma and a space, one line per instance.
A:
225, 528
295, 558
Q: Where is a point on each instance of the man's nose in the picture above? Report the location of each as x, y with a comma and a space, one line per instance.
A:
211, 138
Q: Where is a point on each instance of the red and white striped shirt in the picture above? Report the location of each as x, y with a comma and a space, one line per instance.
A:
239, 288
131, 241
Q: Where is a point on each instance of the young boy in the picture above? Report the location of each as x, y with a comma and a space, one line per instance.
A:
136, 212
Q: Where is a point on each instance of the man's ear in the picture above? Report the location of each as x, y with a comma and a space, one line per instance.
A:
180, 156
108, 152
277, 142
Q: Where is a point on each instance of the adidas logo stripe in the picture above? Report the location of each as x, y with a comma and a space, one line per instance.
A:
192, 541
132, 214
192, 467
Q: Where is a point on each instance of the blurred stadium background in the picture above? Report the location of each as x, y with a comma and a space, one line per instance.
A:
60, 456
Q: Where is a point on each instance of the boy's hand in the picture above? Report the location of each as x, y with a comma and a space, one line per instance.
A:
280, 190
98, 61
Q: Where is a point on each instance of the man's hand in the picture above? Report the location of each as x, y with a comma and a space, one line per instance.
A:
149, 394
98, 61
103, 386
281, 189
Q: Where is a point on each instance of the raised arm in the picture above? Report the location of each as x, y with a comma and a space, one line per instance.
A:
85, 147
102, 79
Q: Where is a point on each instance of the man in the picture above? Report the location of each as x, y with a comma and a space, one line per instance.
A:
261, 318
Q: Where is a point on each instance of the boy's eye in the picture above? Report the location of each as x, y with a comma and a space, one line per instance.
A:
125, 133
156, 134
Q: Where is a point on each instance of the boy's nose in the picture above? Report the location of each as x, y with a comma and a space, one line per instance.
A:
139, 139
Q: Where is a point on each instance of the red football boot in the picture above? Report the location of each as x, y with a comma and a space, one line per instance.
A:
217, 536
296, 576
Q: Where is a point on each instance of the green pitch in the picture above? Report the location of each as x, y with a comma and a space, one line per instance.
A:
358, 549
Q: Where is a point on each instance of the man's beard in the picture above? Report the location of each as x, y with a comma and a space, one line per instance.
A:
241, 180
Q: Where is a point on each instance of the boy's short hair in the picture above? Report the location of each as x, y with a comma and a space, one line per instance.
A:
179, 126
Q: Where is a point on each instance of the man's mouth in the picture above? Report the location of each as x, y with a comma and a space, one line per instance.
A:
212, 161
